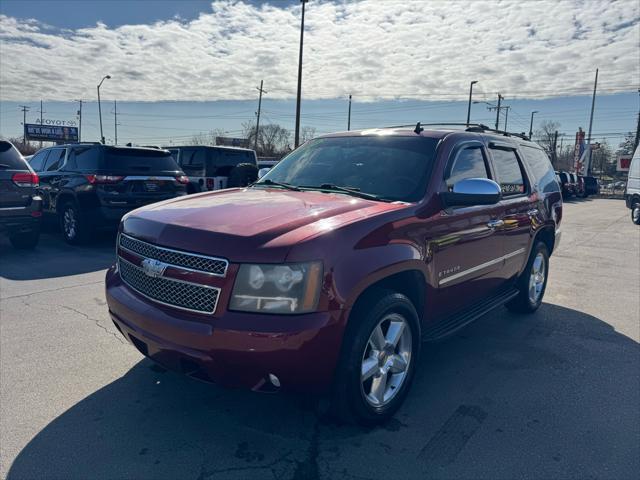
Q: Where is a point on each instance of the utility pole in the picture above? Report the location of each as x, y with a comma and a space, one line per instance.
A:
41, 120
531, 124
586, 168
506, 117
349, 116
297, 134
554, 155
115, 121
80, 121
469, 106
255, 142
635, 143
500, 97
25, 109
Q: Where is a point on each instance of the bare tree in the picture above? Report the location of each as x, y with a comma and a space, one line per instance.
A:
273, 140
307, 133
208, 138
545, 136
24, 149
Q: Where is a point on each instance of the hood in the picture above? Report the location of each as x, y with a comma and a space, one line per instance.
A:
253, 224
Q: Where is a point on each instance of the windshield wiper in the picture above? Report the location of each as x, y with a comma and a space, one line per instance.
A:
348, 190
277, 184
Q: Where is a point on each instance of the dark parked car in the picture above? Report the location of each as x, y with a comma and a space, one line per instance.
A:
215, 168
20, 206
88, 186
591, 186
328, 273
566, 185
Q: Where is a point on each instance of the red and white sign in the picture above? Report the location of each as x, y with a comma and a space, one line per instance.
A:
624, 162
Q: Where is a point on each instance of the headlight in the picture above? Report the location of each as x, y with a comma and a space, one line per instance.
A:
286, 288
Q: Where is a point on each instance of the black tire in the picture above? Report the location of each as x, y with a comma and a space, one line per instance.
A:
635, 213
242, 175
523, 302
348, 402
79, 232
25, 240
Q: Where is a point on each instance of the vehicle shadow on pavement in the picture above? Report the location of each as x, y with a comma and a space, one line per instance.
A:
54, 258
551, 395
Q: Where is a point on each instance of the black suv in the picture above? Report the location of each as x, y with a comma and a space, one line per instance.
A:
20, 206
215, 168
90, 185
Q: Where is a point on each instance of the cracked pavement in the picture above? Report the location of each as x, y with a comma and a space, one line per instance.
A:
553, 395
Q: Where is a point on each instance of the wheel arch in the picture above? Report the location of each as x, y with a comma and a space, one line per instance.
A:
546, 235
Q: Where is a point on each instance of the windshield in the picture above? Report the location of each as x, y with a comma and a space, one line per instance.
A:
388, 167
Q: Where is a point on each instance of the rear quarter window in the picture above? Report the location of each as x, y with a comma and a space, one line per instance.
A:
11, 157
508, 171
84, 159
223, 160
541, 168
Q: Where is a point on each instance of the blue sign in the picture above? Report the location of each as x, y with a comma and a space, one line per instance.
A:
50, 133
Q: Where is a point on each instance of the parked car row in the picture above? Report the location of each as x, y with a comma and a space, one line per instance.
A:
90, 186
573, 184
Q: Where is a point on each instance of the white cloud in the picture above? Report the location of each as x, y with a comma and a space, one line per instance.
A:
372, 48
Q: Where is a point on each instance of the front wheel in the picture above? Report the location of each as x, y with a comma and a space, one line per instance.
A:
533, 281
635, 213
378, 360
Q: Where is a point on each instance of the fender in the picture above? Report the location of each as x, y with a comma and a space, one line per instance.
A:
363, 268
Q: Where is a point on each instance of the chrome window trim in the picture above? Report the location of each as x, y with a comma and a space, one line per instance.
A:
181, 252
471, 270
201, 312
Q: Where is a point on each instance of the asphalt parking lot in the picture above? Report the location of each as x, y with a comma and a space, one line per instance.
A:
553, 395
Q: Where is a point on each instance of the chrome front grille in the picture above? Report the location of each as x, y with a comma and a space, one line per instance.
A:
175, 293
192, 261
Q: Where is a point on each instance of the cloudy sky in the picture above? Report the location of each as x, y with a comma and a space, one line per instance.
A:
380, 51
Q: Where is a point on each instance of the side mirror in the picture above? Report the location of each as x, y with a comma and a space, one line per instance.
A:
472, 191
262, 172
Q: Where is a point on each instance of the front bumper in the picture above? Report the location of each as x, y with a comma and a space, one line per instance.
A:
231, 348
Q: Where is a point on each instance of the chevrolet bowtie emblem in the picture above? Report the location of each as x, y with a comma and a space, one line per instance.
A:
153, 268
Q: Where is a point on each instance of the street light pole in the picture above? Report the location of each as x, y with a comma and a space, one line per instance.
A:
469, 107
349, 116
531, 124
106, 77
297, 133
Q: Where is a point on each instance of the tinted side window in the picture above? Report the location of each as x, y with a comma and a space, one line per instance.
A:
468, 163
37, 161
55, 159
84, 158
192, 160
508, 171
541, 168
10, 156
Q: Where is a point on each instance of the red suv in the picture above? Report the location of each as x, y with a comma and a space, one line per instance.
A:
327, 274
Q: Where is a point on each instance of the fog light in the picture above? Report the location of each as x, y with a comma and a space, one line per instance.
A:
275, 381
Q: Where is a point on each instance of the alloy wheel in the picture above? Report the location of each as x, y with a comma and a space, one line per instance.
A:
537, 278
69, 223
386, 359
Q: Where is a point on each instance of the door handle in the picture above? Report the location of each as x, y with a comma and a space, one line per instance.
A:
493, 224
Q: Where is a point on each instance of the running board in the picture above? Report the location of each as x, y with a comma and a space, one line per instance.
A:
451, 324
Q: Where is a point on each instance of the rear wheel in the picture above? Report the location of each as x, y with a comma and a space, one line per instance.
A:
635, 213
533, 281
74, 225
378, 360
25, 240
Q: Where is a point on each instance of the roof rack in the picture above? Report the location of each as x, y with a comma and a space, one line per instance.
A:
469, 127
